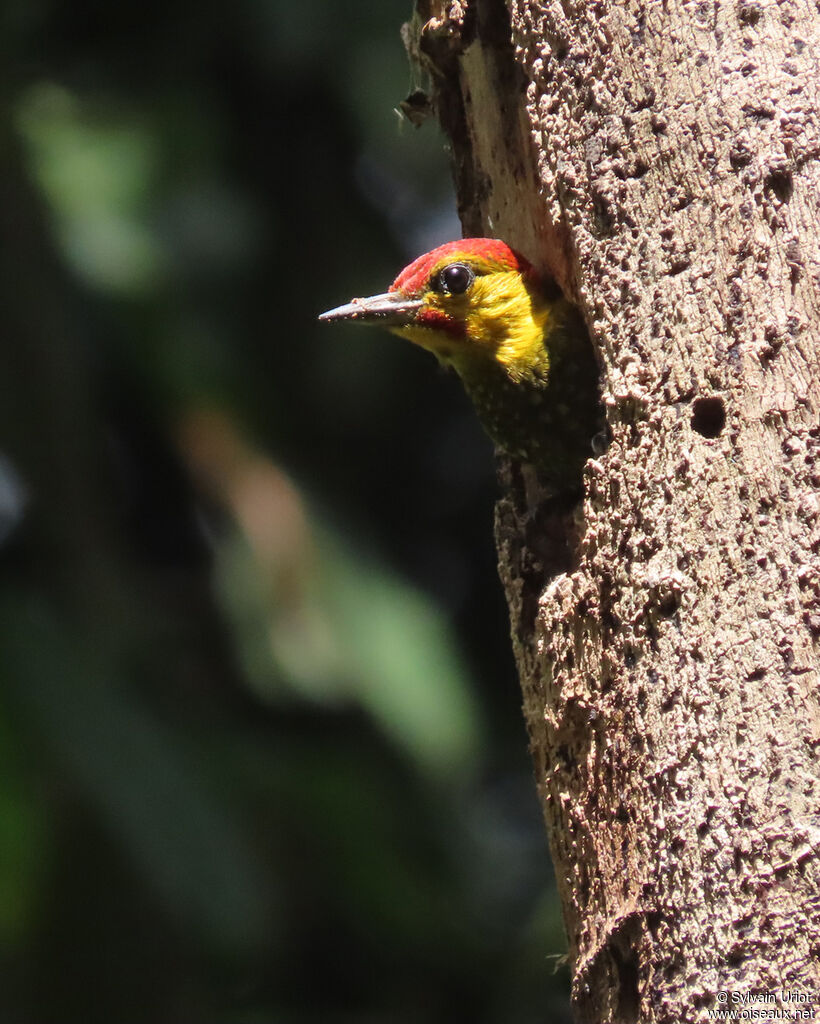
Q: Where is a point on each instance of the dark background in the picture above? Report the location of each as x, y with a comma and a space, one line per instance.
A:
261, 750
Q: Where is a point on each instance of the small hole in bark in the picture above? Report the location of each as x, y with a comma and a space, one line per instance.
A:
708, 416
780, 183
565, 756
745, 925
740, 155
669, 603
748, 14
604, 219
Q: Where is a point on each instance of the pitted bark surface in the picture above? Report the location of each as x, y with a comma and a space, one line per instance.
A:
669, 177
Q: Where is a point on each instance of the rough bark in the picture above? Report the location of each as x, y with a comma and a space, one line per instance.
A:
661, 160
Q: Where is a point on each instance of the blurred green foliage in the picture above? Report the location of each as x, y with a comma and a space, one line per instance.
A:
261, 752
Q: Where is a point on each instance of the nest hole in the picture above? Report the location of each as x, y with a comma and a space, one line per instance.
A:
708, 416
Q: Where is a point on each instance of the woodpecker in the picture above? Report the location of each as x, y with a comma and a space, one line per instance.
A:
520, 348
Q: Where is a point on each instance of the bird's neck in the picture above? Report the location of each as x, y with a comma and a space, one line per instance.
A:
509, 407
540, 404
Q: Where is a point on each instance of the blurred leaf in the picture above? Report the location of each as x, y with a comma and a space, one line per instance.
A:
401, 661
354, 630
96, 175
315, 617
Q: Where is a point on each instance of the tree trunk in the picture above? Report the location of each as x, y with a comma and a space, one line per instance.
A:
661, 160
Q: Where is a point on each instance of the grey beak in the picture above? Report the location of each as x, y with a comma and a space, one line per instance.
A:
390, 309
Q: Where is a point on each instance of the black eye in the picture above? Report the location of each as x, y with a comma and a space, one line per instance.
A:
456, 278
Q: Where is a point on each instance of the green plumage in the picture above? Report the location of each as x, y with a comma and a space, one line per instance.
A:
549, 415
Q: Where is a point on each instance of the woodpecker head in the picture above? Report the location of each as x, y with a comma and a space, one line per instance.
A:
520, 348
473, 303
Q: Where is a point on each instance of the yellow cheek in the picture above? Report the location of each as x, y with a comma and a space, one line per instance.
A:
504, 318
